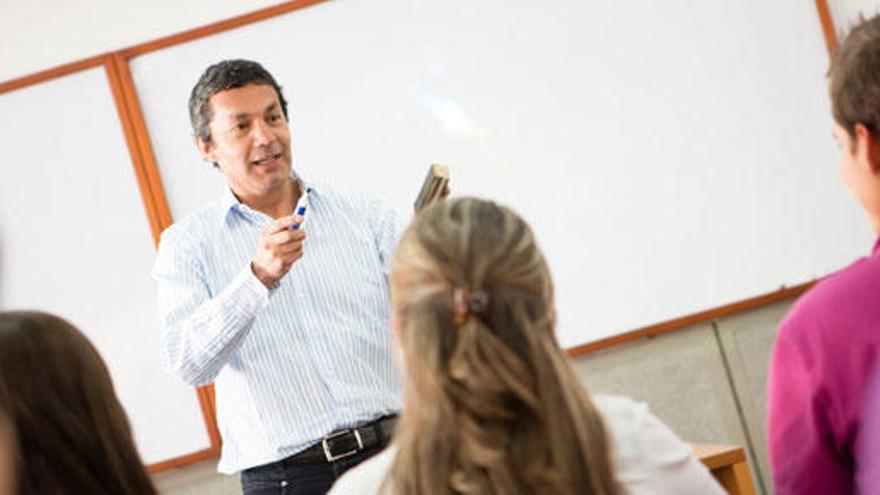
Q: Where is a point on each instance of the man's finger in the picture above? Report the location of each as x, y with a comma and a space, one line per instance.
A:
285, 237
289, 259
288, 248
283, 223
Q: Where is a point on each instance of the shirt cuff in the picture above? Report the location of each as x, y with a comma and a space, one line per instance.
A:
247, 290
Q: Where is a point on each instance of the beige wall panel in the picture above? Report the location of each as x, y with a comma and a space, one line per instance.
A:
748, 340
681, 376
197, 479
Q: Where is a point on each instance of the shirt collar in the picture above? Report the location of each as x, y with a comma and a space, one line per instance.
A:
876, 247
229, 203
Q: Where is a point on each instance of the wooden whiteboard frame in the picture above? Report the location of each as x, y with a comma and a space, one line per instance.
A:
827, 25
143, 159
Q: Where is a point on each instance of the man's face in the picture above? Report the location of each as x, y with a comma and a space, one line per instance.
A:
859, 168
250, 140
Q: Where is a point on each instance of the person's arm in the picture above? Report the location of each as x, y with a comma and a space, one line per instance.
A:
799, 433
648, 456
671, 463
200, 330
866, 450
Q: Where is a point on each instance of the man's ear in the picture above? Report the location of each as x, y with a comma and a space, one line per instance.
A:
867, 148
205, 149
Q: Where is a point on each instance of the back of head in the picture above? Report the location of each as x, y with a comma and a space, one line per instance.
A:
855, 78
492, 405
72, 435
8, 455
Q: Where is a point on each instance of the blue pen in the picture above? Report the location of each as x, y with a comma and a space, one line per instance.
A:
301, 209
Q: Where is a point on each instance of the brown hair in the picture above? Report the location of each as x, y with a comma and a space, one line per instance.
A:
855, 78
8, 455
72, 433
492, 404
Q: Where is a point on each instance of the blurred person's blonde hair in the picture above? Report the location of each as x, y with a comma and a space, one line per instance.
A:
492, 405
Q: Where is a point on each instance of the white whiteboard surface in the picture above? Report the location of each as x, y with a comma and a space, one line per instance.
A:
671, 156
35, 36
75, 241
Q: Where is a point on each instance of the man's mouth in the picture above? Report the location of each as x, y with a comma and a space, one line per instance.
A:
268, 159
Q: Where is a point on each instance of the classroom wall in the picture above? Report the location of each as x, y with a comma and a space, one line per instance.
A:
707, 382
35, 36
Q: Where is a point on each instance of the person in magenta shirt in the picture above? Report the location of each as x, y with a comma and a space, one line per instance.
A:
867, 446
829, 344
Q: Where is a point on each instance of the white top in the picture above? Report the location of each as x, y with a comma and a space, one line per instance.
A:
648, 457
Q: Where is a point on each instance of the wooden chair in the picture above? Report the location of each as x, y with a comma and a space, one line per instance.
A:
728, 465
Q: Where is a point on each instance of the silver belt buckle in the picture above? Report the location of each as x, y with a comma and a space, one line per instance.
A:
329, 455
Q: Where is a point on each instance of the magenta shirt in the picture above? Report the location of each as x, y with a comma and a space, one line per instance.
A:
824, 358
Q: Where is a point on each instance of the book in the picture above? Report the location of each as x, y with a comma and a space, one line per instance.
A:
433, 186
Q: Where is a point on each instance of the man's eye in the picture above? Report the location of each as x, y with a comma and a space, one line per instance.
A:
275, 117
240, 126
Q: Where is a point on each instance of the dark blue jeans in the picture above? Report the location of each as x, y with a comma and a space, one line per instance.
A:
300, 479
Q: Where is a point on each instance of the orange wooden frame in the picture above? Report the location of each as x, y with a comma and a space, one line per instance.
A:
827, 25
693, 319
156, 205
55, 72
159, 216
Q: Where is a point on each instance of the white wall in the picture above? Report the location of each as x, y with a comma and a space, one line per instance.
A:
41, 34
846, 12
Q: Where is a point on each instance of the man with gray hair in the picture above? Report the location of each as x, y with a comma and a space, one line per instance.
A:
289, 320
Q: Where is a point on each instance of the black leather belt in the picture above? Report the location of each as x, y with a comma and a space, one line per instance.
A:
343, 443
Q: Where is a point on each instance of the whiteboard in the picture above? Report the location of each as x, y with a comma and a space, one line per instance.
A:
75, 241
846, 13
672, 157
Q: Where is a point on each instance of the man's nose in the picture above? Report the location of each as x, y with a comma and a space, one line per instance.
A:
263, 134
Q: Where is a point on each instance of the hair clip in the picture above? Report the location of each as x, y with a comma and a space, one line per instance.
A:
466, 302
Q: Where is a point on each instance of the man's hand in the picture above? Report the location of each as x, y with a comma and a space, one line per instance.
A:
279, 247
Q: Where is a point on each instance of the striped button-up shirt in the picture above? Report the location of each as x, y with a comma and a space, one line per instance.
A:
292, 364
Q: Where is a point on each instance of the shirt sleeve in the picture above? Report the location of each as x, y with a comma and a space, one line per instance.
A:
867, 444
648, 456
200, 332
799, 431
